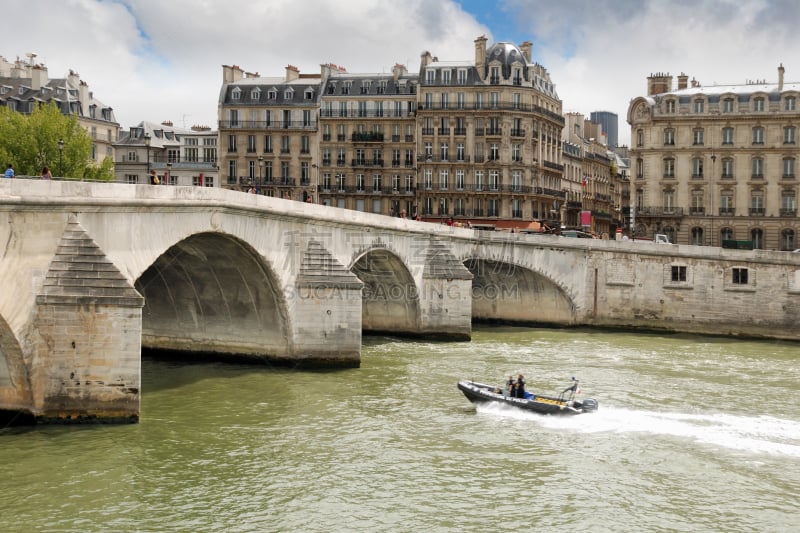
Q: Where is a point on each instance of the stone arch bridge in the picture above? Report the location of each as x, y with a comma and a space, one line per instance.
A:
92, 272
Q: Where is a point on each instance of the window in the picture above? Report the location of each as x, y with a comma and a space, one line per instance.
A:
494, 180
787, 239
756, 202
479, 180
376, 183
669, 168
678, 273
462, 77
699, 106
430, 76
727, 167
231, 143
758, 135
251, 143
516, 208
727, 105
697, 207
697, 136
427, 179
446, 77
516, 152
739, 276
758, 104
697, 238
757, 236
726, 202
516, 181
669, 136
789, 103
236, 93
443, 207
788, 203
669, 200
788, 135
758, 167
697, 167
493, 207
670, 106
788, 167
640, 168
444, 178
460, 179
727, 135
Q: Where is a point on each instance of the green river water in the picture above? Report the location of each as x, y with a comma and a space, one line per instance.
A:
692, 434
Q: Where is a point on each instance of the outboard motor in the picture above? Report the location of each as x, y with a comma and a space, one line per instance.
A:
589, 404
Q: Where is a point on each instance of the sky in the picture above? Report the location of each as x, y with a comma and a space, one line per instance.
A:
157, 60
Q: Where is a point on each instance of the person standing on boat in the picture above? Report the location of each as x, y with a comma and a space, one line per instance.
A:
510, 386
520, 386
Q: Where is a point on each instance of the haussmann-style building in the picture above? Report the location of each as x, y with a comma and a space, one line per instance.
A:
716, 165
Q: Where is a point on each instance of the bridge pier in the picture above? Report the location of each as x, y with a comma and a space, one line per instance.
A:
86, 341
326, 306
445, 296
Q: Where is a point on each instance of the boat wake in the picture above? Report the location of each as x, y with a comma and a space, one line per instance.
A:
762, 434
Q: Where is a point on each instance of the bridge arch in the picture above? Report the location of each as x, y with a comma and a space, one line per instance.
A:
213, 293
15, 387
511, 292
390, 297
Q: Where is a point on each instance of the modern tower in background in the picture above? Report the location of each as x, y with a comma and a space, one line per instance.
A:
608, 120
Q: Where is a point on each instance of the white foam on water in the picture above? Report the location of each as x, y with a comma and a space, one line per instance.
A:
762, 434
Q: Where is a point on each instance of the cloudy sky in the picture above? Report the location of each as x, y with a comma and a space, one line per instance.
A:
159, 60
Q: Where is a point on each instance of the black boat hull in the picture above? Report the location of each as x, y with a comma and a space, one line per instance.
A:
480, 393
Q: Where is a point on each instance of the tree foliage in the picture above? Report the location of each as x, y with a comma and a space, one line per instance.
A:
30, 142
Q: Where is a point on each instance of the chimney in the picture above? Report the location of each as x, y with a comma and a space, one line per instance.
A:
231, 74
683, 81
398, 70
38, 77
695, 83
84, 96
526, 48
292, 72
780, 77
659, 83
480, 54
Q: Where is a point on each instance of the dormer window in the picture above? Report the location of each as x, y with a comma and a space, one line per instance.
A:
309, 94
365, 87
727, 105
430, 76
272, 94
21, 89
462, 77
288, 94
670, 106
699, 106
331, 88
346, 87
789, 103
381, 87
758, 104
255, 94
236, 93
445, 77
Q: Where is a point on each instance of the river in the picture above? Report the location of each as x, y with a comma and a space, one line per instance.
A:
692, 434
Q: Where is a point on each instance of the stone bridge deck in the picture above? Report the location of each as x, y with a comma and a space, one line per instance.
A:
92, 272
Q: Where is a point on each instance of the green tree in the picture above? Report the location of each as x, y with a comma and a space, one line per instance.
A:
30, 142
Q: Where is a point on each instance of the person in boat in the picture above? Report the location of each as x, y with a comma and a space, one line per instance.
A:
520, 388
510, 386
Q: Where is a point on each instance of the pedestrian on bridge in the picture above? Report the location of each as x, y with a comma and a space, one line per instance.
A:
10, 171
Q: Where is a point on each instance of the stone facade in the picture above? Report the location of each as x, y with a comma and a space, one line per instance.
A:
716, 163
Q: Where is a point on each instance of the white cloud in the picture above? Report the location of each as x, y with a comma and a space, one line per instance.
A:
155, 60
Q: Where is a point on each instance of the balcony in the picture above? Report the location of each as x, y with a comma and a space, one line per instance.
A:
788, 212
727, 211
757, 211
659, 211
697, 210
367, 137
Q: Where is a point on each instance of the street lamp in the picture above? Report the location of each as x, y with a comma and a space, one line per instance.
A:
260, 171
60, 158
147, 144
316, 182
